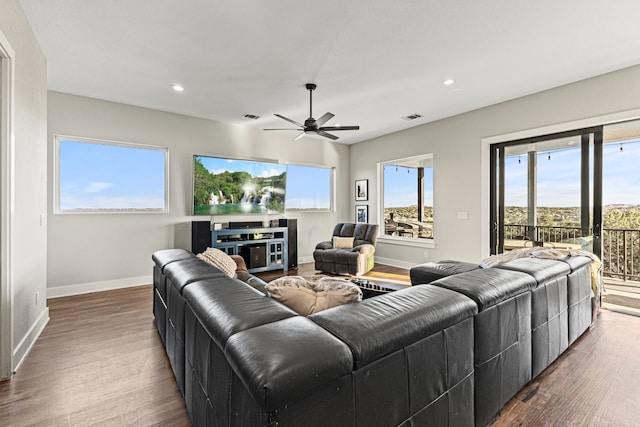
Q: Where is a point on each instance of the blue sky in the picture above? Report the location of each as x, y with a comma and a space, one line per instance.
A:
307, 188
101, 176
401, 187
559, 177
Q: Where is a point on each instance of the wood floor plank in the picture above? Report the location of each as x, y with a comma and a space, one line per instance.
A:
100, 362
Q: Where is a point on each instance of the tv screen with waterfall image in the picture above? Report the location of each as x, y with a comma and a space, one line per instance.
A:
229, 187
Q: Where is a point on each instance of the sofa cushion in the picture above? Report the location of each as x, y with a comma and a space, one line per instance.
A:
342, 242
182, 273
219, 259
379, 326
489, 286
541, 270
311, 294
431, 271
166, 256
225, 309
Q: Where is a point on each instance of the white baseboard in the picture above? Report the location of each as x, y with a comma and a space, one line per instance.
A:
305, 259
394, 262
25, 344
107, 285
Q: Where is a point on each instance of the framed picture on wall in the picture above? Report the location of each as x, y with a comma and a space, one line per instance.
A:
362, 213
362, 189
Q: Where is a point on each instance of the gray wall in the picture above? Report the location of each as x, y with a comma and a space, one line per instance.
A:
29, 245
99, 251
461, 157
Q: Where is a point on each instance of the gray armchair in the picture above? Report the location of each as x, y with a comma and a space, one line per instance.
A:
356, 260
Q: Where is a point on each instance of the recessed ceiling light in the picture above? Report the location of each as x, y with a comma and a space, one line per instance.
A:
448, 82
177, 87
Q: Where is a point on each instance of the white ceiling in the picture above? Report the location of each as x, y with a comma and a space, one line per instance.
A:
374, 61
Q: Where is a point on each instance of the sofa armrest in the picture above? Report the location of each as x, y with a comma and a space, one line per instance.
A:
280, 361
364, 249
324, 245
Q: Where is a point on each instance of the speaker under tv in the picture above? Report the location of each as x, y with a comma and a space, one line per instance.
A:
200, 236
254, 256
292, 226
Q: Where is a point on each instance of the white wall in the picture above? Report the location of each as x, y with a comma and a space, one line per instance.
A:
97, 251
29, 245
461, 160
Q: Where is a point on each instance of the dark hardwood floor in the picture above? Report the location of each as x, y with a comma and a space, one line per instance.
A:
100, 362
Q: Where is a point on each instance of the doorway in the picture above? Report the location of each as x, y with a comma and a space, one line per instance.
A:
621, 217
7, 56
547, 191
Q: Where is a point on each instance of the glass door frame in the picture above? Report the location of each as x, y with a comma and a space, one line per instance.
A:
497, 183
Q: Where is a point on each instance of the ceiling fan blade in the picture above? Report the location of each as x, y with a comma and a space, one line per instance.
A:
285, 129
289, 120
324, 119
299, 136
340, 128
326, 135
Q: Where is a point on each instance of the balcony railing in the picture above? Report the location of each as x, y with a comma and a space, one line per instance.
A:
620, 247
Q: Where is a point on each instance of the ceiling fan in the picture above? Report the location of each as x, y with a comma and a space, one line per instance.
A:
312, 125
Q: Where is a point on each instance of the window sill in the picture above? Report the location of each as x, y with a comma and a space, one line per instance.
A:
404, 241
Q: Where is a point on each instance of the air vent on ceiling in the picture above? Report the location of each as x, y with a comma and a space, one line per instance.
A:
250, 116
412, 116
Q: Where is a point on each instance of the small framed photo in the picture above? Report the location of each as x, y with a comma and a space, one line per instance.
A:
362, 189
362, 213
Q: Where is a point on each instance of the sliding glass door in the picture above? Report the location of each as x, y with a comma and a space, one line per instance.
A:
547, 191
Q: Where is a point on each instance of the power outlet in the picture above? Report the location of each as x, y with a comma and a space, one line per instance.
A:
426, 254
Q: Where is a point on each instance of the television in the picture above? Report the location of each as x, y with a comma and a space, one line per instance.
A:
229, 187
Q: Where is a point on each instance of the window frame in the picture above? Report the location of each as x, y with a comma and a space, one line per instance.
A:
58, 138
397, 240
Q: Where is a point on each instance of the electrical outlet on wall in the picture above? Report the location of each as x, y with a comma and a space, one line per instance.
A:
426, 254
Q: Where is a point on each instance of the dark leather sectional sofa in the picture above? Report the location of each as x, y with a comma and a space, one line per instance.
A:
449, 353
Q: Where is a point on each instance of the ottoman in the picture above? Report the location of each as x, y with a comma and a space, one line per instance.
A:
431, 271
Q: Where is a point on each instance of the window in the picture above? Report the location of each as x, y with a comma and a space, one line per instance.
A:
309, 188
105, 176
407, 197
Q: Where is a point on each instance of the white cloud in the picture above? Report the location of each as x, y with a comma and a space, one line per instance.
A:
96, 187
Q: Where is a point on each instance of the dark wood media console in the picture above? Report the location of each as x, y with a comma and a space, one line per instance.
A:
263, 249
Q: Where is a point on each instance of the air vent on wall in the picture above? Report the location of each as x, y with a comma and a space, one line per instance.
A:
412, 116
250, 116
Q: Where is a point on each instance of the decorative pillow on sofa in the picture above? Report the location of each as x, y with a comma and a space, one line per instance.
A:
219, 259
343, 242
311, 294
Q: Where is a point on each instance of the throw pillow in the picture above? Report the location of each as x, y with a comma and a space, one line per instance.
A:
343, 242
334, 292
311, 294
294, 292
219, 259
